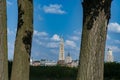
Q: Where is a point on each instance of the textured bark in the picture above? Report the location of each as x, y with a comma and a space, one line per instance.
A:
96, 16
3, 42
20, 69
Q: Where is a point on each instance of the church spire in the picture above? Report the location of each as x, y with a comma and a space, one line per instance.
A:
61, 53
68, 54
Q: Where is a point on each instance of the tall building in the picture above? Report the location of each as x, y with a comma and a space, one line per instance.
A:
61, 52
109, 56
61, 60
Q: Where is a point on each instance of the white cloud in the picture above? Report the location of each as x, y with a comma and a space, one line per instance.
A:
10, 32
117, 41
36, 33
9, 3
38, 41
36, 53
76, 38
46, 44
10, 50
108, 37
40, 18
70, 43
114, 27
55, 37
52, 45
53, 9
41, 38
114, 48
77, 32
55, 51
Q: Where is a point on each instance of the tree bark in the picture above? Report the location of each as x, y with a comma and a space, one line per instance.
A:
20, 69
96, 15
3, 42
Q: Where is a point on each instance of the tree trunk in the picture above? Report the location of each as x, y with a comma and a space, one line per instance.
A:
3, 42
96, 15
20, 69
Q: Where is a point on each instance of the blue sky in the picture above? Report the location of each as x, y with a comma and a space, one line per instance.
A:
56, 18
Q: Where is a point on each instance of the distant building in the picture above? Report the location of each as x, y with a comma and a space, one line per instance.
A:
75, 63
69, 62
45, 62
36, 63
42, 62
65, 61
109, 56
61, 60
68, 59
61, 52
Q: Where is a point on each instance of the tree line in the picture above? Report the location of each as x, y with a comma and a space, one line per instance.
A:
111, 72
22, 51
96, 15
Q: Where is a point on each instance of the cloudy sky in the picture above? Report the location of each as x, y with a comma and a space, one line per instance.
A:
56, 18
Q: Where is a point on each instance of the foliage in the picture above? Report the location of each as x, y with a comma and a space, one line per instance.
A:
111, 72
53, 72
9, 68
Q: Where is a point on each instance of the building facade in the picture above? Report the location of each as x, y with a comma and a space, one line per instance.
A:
61, 51
61, 60
109, 56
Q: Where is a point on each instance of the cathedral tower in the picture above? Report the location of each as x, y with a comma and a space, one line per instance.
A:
61, 52
109, 56
61, 60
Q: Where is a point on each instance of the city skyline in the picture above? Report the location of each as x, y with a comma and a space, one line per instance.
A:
53, 19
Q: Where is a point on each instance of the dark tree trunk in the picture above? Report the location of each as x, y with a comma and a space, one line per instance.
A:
20, 69
96, 15
3, 42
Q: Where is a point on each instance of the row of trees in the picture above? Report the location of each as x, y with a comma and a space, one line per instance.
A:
20, 68
96, 16
111, 72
